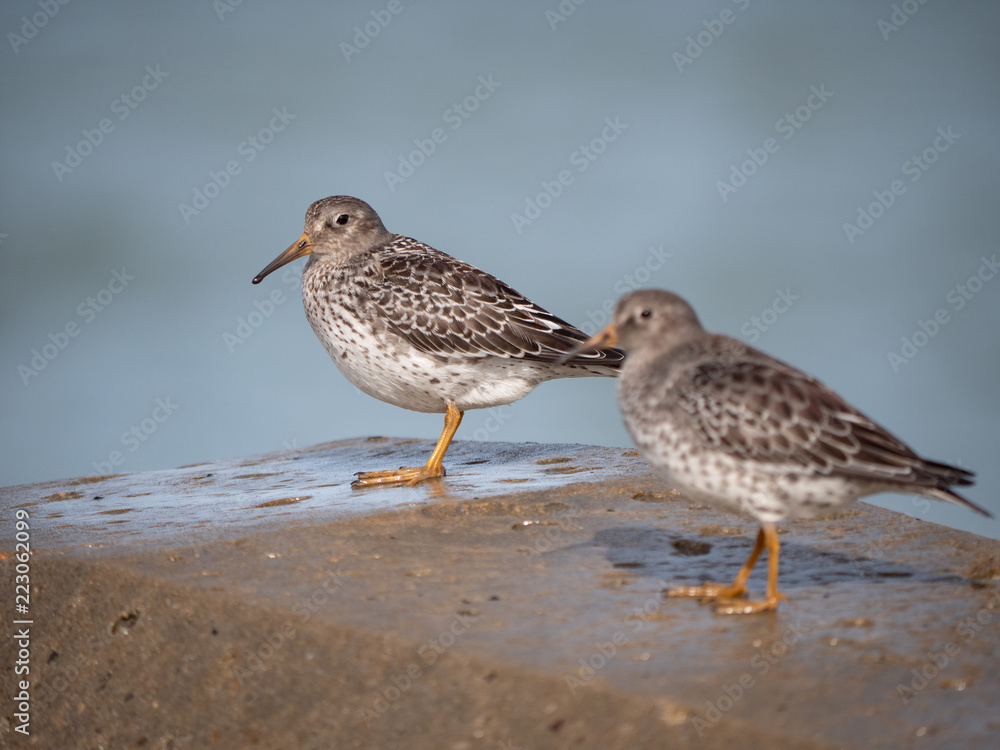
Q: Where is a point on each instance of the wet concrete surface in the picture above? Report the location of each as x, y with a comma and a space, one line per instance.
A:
514, 604
309, 485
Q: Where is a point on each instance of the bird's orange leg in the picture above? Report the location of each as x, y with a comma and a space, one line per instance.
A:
773, 596
730, 598
412, 475
721, 590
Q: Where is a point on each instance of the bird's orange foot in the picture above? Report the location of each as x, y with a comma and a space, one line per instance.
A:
709, 591
408, 475
743, 607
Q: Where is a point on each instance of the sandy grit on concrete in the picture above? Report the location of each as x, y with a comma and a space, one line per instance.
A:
515, 604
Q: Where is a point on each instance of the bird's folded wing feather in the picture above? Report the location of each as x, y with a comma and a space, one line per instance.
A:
449, 308
767, 411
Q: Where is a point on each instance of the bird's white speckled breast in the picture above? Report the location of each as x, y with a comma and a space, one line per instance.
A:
383, 364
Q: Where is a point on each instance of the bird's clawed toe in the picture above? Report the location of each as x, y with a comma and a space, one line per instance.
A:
709, 591
408, 475
745, 607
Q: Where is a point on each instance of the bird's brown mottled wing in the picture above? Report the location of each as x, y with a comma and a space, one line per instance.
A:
449, 308
764, 410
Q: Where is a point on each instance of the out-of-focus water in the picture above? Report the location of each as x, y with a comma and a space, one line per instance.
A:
157, 156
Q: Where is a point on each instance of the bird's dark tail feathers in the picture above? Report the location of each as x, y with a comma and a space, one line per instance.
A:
940, 478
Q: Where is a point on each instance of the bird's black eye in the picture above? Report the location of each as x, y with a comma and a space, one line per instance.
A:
343, 219
645, 312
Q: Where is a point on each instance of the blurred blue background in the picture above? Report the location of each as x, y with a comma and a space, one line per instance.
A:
156, 156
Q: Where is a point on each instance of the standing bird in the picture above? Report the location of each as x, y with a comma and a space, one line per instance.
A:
420, 329
729, 426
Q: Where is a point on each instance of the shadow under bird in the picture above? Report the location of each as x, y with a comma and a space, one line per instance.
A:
732, 427
417, 328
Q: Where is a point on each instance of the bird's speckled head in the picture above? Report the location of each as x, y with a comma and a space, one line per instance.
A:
652, 320
341, 226
644, 324
336, 229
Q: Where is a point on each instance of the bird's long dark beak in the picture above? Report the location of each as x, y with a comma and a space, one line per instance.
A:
600, 340
301, 247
